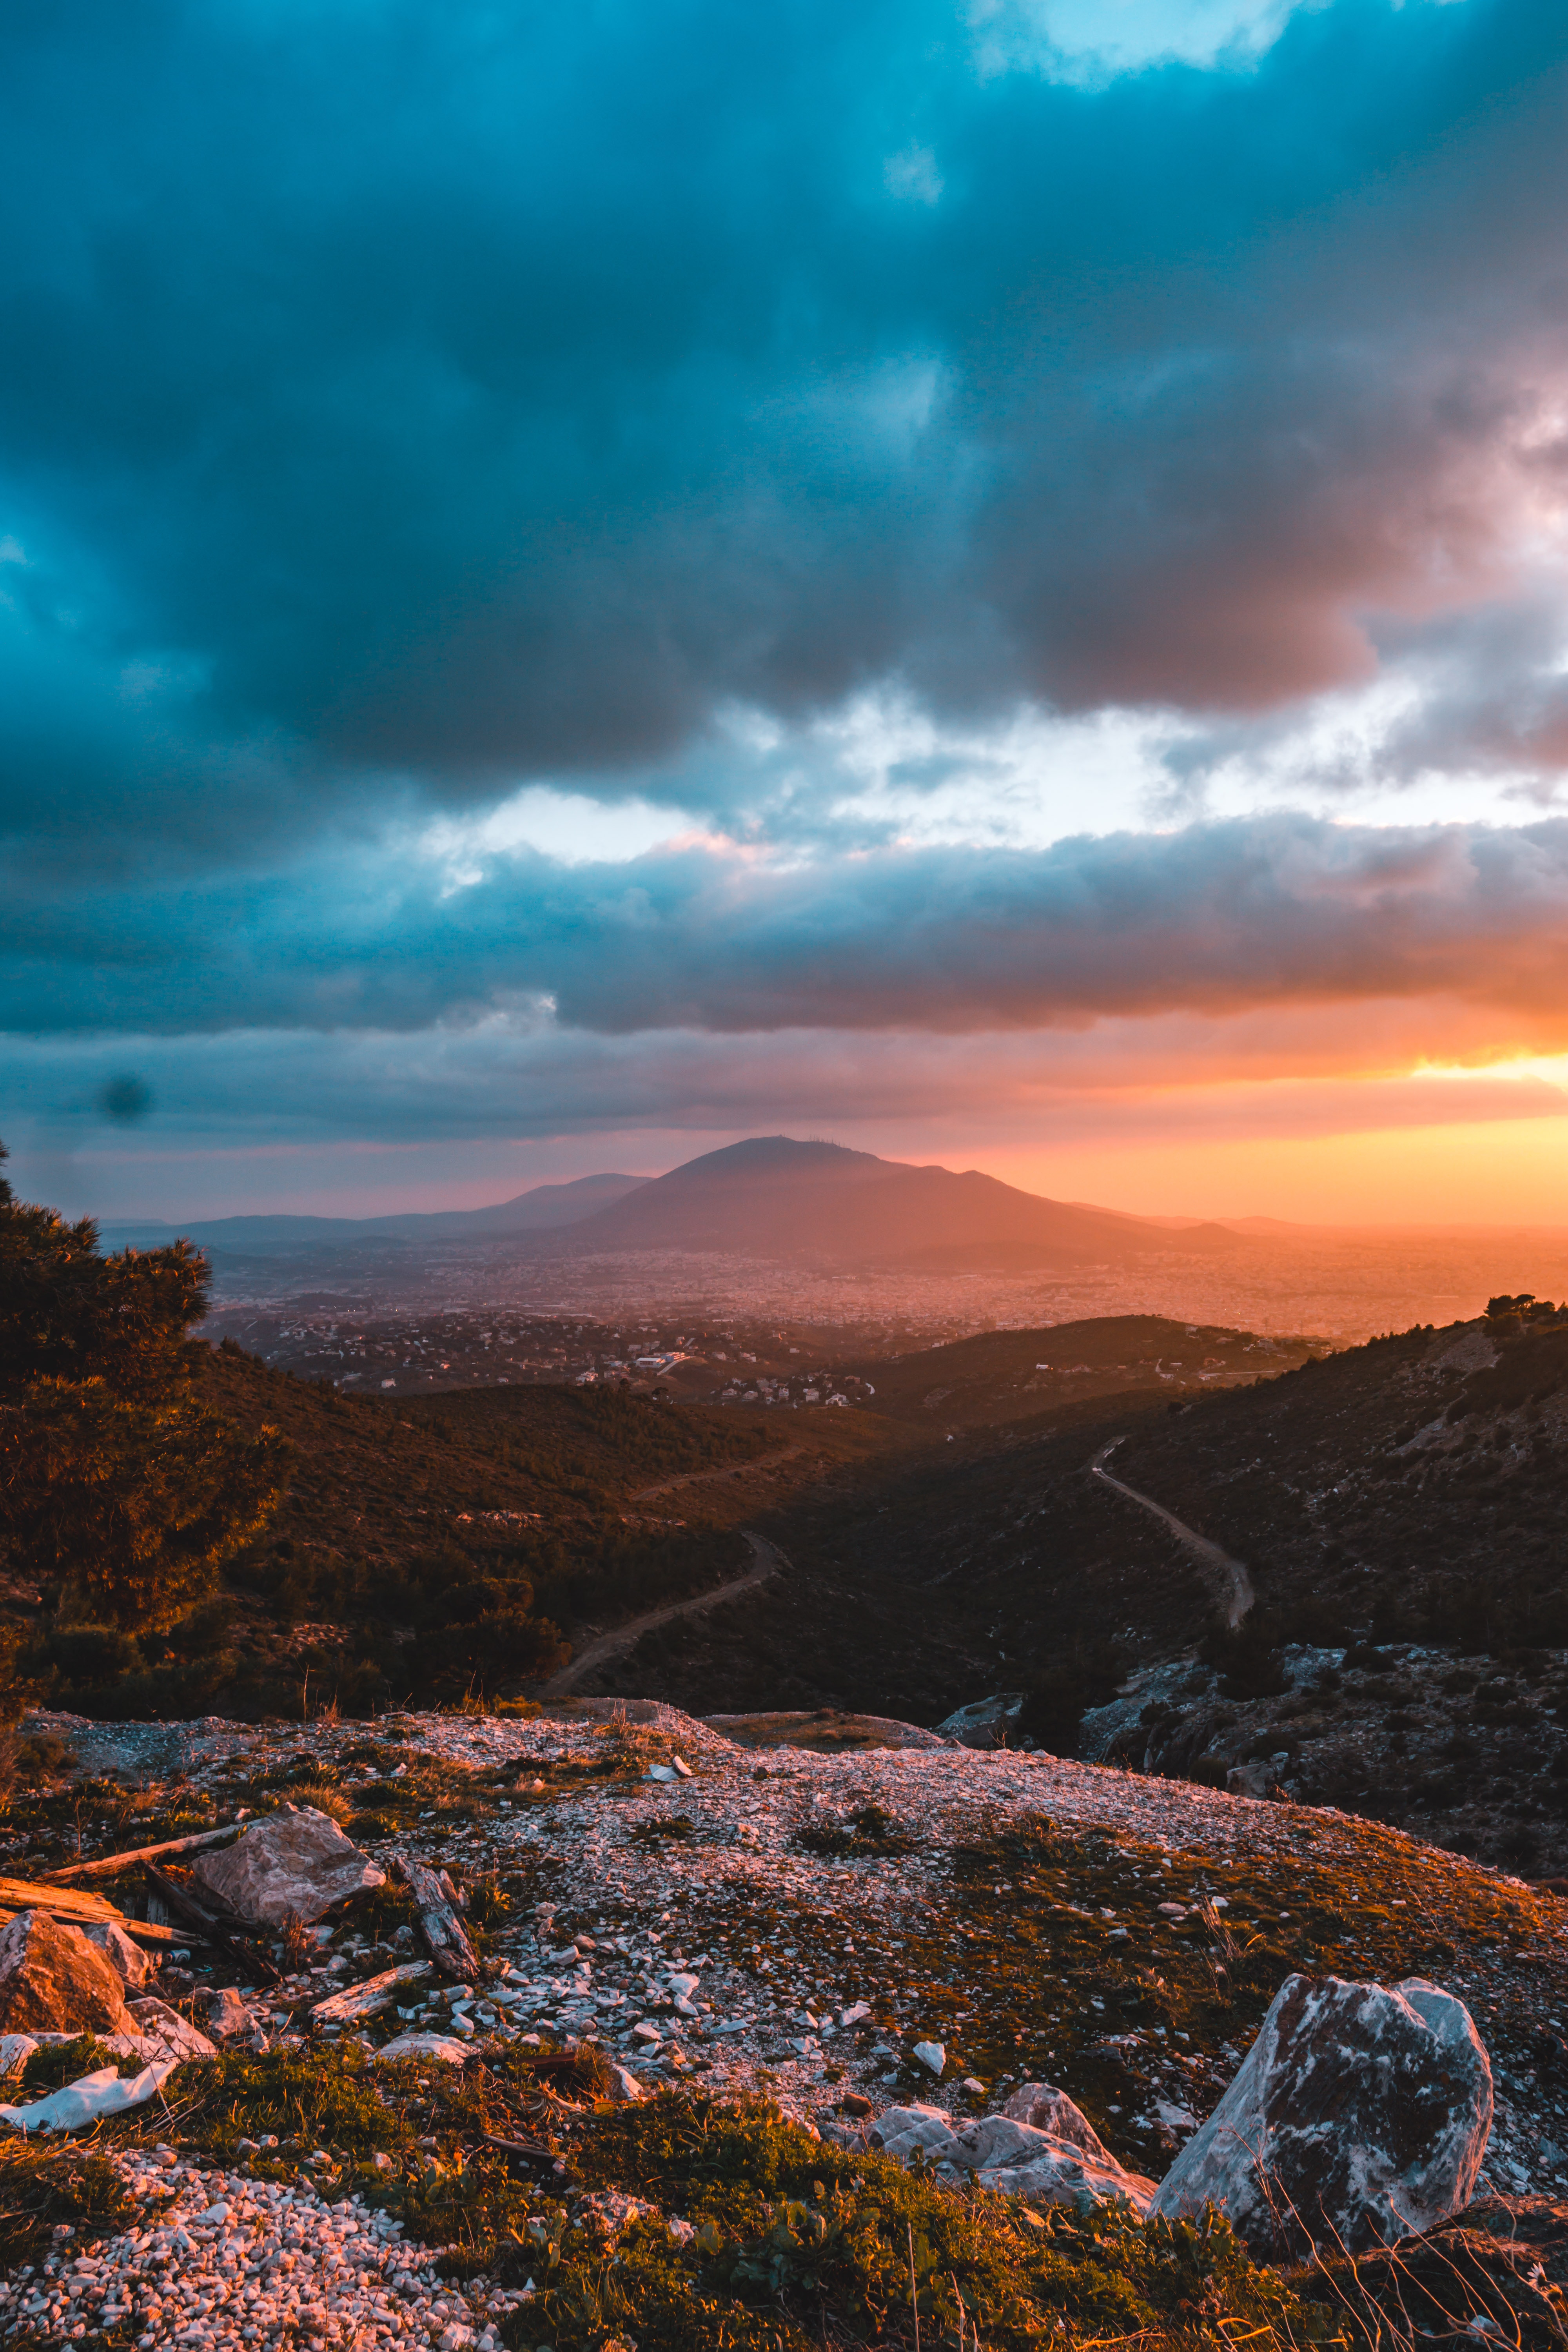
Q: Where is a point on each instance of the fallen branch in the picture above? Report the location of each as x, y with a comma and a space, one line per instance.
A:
369, 1998
141, 1931
108, 1863
74, 1910
529, 2148
446, 1938
213, 1925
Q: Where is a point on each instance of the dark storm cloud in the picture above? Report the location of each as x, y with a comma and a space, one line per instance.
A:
410, 400
1281, 912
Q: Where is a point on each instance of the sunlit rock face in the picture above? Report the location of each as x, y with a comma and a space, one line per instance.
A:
1360, 2114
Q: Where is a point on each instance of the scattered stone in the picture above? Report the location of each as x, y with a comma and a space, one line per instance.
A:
52, 1977
161, 2031
931, 2055
1360, 2116
130, 1963
227, 2015
296, 1861
424, 2046
224, 2261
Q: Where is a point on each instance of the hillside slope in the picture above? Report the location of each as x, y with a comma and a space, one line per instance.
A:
1399, 1505
433, 1545
823, 1920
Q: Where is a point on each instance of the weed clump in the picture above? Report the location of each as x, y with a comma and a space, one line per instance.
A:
872, 1832
796, 2242
55, 2064
44, 2188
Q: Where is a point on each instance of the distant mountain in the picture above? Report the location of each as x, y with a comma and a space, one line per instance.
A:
771, 1197
544, 1210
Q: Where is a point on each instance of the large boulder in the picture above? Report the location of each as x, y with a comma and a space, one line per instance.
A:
295, 1861
1359, 2117
53, 1981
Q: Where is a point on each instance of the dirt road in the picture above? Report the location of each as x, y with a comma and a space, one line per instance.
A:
1232, 1583
769, 1560
725, 1470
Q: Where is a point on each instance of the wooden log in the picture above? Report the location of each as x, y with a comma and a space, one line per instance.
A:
141, 1931
529, 2148
369, 1998
214, 1924
446, 1938
59, 1902
108, 1864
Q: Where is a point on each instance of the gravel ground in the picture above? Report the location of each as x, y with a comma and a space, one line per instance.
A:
215, 2260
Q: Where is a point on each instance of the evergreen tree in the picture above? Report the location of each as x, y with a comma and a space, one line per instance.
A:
119, 1490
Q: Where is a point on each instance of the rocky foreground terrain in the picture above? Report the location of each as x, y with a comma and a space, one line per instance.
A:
707, 1981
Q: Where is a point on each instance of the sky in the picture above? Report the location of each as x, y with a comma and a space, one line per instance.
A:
983, 580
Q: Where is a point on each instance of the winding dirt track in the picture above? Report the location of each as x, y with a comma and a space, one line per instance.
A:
724, 1470
769, 1561
1230, 1576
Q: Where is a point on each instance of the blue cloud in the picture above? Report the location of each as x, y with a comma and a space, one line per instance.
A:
457, 396
1281, 911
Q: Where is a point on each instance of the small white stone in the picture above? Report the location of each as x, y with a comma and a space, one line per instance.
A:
933, 2054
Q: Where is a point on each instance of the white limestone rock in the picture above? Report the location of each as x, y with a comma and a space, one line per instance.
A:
162, 2032
425, 2045
1360, 2116
1014, 2157
1052, 2112
916, 2130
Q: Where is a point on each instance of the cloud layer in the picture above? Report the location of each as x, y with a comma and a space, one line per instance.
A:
404, 407
1276, 911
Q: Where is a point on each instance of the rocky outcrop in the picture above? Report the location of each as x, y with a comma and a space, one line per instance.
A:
1360, 2116
53, 1981
984, 1722
295, 1862
1014, 2157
